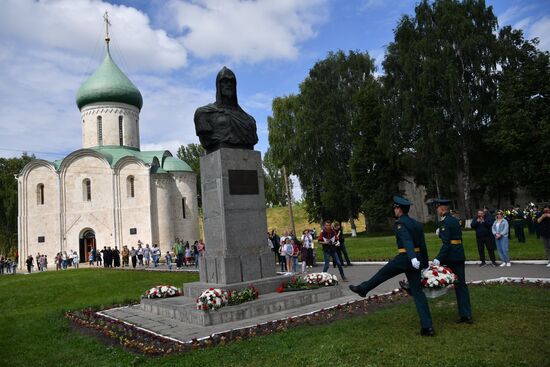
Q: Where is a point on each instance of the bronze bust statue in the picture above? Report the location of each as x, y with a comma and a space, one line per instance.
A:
224, 124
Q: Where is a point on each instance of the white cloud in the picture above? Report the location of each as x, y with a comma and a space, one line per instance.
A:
166, 120
76, 26
541, 29
259, 101
531, 20
248, 31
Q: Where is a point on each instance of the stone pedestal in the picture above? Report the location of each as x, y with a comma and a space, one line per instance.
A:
235, 225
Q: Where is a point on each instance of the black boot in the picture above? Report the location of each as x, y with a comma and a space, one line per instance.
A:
465, 320
357, 290
427, 331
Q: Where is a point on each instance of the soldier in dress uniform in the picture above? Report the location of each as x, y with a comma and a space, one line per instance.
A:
412, 256
452, 255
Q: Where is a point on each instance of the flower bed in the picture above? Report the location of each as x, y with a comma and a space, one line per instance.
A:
141, 341
162, 291
214, 298
321, 279
309, 281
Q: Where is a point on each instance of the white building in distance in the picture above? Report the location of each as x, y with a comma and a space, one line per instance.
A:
109, 193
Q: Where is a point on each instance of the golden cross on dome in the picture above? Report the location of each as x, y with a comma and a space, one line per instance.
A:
107, 24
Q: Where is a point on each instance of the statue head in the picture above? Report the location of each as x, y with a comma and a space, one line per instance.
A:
226, 88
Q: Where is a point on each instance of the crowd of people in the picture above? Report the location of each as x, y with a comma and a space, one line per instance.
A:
289, 250
185, 254
8, 266
493, 230
142, 256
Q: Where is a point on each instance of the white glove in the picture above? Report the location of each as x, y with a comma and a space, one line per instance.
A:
415, 263
437, 232
436, 262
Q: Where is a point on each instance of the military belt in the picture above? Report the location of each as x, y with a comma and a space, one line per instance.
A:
456, 242
402, 250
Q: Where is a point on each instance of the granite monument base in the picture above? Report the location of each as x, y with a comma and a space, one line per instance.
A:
184, 308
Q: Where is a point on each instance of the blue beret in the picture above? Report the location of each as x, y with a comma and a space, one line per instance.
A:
401, 201
442, 202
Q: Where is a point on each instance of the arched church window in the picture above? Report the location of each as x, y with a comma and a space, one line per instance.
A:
120, 136
87, 189
130, 186
99, 131
40, 194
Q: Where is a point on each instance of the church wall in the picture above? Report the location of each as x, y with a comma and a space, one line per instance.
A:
163, 211
135, 211
110, 113
185, 187
41, 220
79, 212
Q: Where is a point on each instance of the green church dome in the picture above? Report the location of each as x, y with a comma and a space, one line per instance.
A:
172, 164
108, 84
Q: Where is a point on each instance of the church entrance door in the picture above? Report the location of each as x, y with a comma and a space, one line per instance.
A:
87, 243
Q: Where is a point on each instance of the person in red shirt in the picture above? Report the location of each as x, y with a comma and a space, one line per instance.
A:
329, 239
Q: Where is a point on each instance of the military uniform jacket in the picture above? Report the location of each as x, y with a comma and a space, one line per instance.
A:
410, 237
450, 233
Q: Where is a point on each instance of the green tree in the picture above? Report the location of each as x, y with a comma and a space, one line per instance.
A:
311, 134
521, 133
441, 68
375, 161
9, 168
275, 193
191, 154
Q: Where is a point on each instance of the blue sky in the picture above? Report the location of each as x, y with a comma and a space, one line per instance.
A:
172, 51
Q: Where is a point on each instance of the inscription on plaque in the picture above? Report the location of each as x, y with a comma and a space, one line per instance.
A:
243, 182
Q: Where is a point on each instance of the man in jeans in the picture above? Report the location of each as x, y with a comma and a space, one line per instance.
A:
482, 226
328, 239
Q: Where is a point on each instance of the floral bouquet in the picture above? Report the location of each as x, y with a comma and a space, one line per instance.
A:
321, 279
212, 299
436, 280
309, 281
162, 291
238, 297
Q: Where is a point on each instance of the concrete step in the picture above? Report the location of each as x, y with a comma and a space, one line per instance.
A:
184, 308
184, 332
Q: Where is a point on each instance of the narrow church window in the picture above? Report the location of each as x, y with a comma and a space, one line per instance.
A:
40, 194
87, 189
183, 207
120, 137
99, 131
130, 186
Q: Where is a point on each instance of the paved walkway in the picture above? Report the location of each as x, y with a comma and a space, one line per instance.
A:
183, 332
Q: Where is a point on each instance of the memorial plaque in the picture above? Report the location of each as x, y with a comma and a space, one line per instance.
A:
243, 182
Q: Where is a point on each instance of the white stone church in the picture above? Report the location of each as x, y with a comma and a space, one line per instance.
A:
109, 193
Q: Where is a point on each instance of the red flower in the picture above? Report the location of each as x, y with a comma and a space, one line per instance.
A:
435, 273
280, 289
424, 281
210, 289
444, 271
442, 282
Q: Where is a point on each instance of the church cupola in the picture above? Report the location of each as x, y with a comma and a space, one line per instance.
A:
109, 105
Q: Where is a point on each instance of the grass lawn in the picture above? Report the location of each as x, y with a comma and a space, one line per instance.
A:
365, 247
512, 328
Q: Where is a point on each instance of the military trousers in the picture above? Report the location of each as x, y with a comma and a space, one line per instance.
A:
461, 289
518, 230
401, 264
